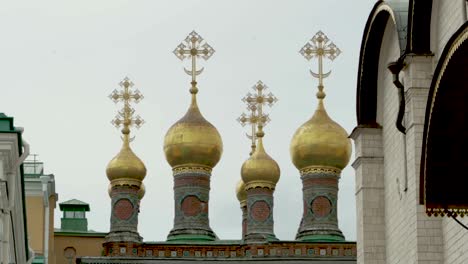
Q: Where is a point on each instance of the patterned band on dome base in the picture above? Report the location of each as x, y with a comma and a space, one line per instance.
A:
319, 220
124, 216
259, 227
191, 196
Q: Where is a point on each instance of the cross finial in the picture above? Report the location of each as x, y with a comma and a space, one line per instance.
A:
194, 47
256, 118
320, 46
125, 117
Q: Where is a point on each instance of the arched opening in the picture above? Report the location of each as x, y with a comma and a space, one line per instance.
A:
444, 162
419, 27
366, 98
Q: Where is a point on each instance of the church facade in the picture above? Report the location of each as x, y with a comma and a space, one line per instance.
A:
411, 136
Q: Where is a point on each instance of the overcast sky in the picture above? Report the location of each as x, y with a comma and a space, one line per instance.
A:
59, 60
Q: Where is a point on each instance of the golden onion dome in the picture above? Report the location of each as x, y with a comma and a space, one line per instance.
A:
193, 140
240, 191
126, 165
260, 169
320, 142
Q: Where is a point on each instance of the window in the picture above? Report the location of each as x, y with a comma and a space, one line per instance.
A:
73, 214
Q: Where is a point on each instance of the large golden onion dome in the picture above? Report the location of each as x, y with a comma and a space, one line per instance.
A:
193, 140
260, 169
240, 191
320, 142
126, 165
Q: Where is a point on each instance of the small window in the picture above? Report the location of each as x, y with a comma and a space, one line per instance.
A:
74, 214
68, 214
79, 214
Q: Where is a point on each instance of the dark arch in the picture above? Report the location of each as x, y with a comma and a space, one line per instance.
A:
444, 162
419, 27
366, 98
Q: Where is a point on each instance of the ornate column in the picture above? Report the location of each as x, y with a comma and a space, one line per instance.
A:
242, 197
259, 214
191, 196
320, 198
125, 204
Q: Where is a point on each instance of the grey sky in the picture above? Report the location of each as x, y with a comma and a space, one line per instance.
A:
59, 60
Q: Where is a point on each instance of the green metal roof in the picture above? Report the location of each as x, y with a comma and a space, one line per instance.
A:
6, 123
38, 260
74, 204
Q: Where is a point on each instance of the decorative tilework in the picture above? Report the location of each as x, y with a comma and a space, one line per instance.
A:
297, 252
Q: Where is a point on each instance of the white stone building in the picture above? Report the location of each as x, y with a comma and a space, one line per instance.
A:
411, 137
14, 247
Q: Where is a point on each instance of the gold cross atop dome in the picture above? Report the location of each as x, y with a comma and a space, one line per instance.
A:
125, 117
320, 46
194, 47
256, 117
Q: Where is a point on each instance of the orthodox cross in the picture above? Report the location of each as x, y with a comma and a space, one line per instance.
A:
194, 47
125, 117
320, 46
256, 117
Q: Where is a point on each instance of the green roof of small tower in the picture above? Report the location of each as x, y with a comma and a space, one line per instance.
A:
74, 205
74, 215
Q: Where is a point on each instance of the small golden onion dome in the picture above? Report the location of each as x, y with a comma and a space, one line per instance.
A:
260, 168
320, 142
126, 165
240, 191
193, 140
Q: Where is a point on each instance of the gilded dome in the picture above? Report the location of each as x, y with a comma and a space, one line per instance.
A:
320, 142
260, 168
240, 191
126, 165
193, 140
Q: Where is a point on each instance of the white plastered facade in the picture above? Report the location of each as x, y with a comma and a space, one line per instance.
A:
392, 227
12, 232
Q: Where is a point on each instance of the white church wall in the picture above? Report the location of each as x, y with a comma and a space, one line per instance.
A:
417, 82
455, 239
447, 17
410, 236
399, 214
370, 202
